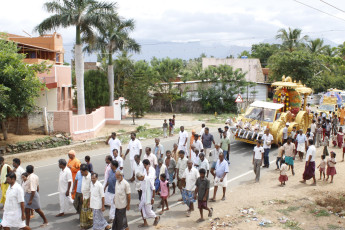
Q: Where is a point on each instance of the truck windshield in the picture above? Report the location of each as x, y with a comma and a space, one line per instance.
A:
260, 114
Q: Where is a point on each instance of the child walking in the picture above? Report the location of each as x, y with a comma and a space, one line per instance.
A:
280, 155
165, 128
331, 166
202, 189
89, 164
165, 192
322, 167
334, 140
283, 173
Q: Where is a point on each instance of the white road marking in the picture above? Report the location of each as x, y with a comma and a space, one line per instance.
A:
180, 202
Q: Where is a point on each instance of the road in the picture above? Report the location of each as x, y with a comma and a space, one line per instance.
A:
47, 170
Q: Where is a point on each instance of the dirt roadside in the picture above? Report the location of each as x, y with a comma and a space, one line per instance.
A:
295, 206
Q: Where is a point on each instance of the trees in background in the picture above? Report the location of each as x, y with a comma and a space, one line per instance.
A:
166, 72
114, 37
220, 87
19, 85
291, 39
96, 89
137, 87
85, 16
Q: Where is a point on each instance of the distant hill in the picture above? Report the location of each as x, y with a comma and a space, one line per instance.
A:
185, 50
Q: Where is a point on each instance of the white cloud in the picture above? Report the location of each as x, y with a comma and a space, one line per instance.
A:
237, 21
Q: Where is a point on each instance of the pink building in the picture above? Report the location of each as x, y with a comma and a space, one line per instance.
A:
49, 48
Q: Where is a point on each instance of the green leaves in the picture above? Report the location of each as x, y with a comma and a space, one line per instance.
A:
19, 85
96, 89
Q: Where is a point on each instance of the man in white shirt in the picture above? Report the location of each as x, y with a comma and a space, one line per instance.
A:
197, 143
86, 211
202, 131
114, 143
220, 173
313, 129
14, 205
64, 188
285, 132
258, 157
203, 163
180, 168
309, 171
151, 157
215, 155
138, 167
267, 139
122, 202
182, 140
190, 175
18, 170
118, 158
134, 148
302, 144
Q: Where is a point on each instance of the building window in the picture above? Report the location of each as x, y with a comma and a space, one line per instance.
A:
69, 92
62, 93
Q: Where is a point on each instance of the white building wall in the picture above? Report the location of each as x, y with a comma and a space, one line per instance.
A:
48, 98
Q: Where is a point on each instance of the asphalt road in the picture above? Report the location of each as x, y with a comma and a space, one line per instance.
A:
239, 172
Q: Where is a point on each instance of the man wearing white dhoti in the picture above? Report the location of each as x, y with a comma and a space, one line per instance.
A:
64, 188
147, 198
14, 214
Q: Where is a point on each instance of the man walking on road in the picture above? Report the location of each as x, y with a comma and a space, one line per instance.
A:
65, 185
86, 219
18, 170
14, 214
207, 140
151, 157
182, 140
222, 169
309, 171
180, 168
267, 138
114, 143
158, 149
31, 196
74, 166
134, 148
258, 157
111, 188
190, 175
225, 146
122, 202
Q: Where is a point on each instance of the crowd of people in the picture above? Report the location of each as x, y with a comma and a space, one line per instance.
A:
155, 173
189, 166
324, 127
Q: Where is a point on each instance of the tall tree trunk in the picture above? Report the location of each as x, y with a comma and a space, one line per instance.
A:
111, 84
4, 129
79, 73
133, 119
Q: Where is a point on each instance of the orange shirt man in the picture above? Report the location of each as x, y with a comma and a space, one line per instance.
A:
342, 115
74, 165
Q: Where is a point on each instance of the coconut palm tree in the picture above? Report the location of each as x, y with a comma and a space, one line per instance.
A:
292, 38
84, 15
315, 46
114, 37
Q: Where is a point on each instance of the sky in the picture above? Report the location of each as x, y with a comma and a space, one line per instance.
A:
210, 22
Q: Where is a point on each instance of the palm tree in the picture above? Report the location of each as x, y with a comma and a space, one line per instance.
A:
84, 15
292, 38
316, 46
114, 37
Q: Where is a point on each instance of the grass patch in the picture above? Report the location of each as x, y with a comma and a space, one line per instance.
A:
121, 131
319, 213
288, 210
291, 224
332, 226
150, 133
